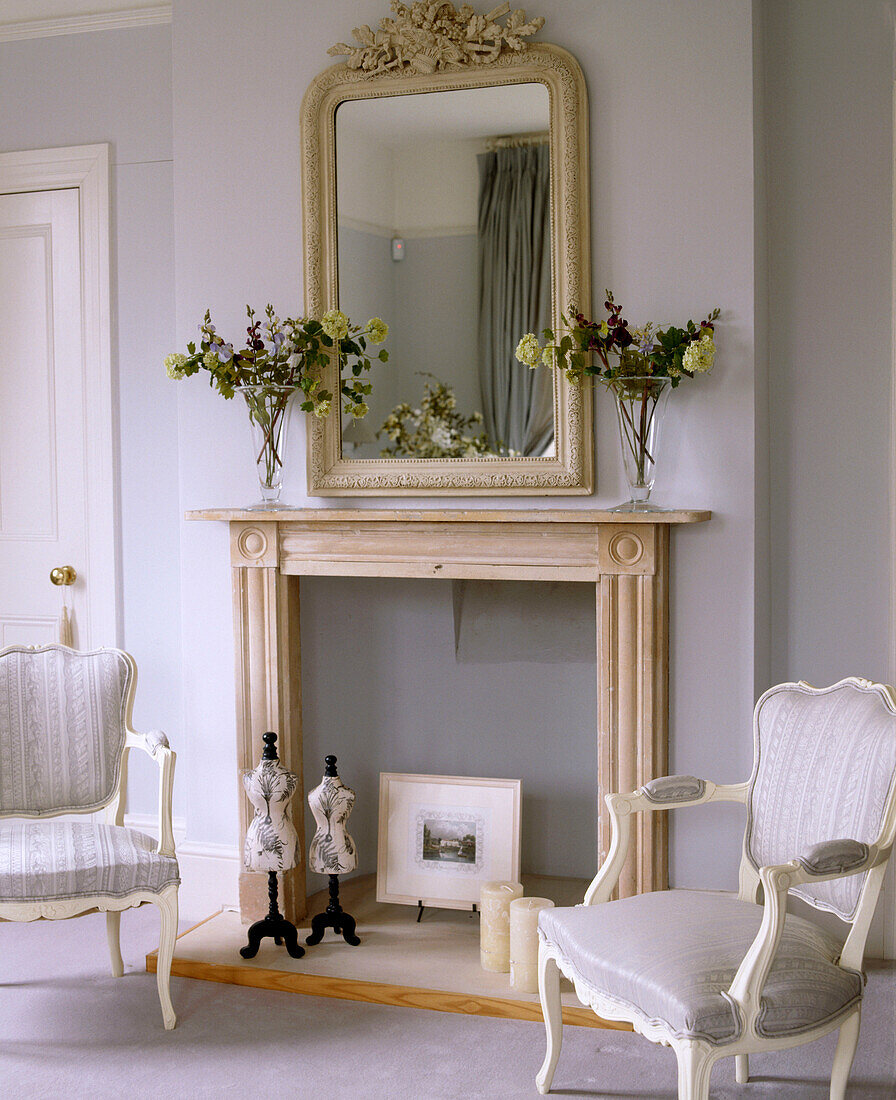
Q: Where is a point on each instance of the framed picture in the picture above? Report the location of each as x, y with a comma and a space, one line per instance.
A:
442, 836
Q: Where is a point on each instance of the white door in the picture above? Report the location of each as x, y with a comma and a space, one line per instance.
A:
43, 450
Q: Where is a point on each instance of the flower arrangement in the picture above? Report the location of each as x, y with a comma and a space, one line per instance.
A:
290, 353
587, 347
639, 365
281, 357
434, 430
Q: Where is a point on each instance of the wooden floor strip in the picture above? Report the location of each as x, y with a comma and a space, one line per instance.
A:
437, 1000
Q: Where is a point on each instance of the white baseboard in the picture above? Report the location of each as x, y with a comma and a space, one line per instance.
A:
209, 872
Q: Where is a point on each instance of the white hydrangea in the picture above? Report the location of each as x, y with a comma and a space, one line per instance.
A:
209, 360
377, 330
360, 410
528, 350
441, 436
322, 410
174, 366
335, 324
699, 356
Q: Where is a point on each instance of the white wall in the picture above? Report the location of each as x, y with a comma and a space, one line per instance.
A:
829, 149
673, 243
829, 131
115, 86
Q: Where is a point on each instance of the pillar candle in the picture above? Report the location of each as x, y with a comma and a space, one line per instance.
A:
524, 942
494, 926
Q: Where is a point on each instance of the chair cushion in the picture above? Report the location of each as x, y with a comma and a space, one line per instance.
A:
671, 956
58, 860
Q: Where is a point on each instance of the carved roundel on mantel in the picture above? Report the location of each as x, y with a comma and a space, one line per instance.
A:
252, 543
626, 548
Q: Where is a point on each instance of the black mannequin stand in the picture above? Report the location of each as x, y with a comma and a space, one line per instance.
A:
333, 917
275, 925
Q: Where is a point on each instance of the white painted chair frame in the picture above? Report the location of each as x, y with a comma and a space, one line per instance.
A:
155, 744
697, 1057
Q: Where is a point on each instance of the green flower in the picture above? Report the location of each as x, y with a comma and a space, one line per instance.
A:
210, 360
174, 366
377, 330
335, 324
699, 356
322, 410
528, 350
360, 410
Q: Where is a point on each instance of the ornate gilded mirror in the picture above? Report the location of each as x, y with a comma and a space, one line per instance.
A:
445, 189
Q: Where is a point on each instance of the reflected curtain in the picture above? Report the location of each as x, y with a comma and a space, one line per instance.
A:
514, 294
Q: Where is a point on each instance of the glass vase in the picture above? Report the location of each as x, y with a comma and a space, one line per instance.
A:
640, 406
268, 407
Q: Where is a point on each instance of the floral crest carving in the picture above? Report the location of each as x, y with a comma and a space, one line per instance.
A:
431, 35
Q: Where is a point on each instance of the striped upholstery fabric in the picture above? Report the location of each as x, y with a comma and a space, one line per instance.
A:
62, 728
59, 860
670, 956
824, 765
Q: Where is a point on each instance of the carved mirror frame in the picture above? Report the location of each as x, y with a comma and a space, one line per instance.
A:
570, 470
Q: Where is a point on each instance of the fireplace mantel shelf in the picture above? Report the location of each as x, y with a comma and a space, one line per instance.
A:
449, 515
625, 555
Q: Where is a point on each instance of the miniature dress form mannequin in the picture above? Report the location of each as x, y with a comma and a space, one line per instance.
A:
272, 843
332, 850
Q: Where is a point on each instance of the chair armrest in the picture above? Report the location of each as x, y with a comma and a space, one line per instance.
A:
155, 743
833, 857
666, 793
673, 788
841, 858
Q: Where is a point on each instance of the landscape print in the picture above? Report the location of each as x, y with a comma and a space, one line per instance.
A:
449, 841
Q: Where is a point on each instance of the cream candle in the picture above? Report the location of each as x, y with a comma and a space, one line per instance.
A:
494, 924
524, 942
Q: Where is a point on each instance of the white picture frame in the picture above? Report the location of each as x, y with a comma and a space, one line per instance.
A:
441, 836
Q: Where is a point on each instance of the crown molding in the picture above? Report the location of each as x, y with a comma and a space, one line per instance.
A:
77, 24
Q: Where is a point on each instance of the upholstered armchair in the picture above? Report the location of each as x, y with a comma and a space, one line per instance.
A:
720, 975
65, 733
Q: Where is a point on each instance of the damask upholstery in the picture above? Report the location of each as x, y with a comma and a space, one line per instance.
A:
674, 788
675, 953
824, 765
834, 857
58, 860
64, 736
62, 728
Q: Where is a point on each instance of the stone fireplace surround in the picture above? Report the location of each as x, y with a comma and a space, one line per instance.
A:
626, 556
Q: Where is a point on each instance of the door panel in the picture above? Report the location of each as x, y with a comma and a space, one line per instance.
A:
42, 434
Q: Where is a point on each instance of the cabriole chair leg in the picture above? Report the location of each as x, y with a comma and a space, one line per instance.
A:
552, 1010
694, 1068
113, 935
742, 1068
844, 1054
167, 904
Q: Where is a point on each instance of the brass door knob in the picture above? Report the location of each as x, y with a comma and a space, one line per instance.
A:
63, 574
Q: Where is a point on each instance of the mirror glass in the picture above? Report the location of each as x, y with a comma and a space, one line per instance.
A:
443, 230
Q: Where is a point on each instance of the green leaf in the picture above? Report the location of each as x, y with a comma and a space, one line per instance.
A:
383, 356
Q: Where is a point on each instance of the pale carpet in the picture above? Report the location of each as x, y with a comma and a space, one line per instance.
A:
70, 1030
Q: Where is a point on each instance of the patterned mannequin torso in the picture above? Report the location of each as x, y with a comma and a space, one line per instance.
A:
332, 850
272, 843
